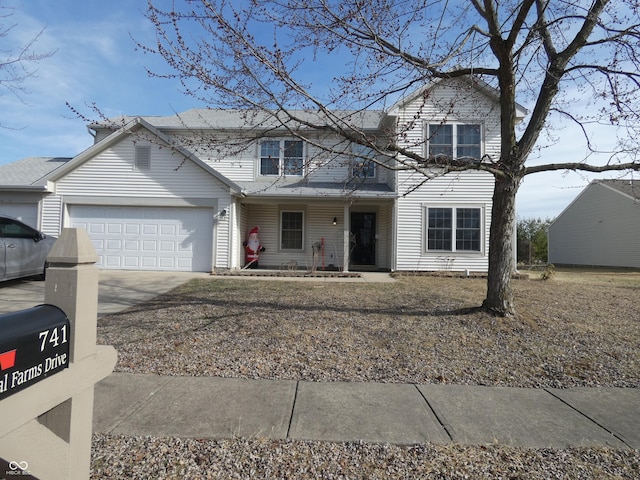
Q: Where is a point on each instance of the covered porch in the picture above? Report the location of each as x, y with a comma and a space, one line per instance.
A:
319, 232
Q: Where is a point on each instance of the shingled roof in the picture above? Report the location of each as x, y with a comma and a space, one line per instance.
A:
628, 187
30, 171
219, 119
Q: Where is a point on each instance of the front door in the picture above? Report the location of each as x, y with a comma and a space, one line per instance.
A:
363, 239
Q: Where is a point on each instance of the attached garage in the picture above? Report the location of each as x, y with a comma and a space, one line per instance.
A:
148, 238
25, 212
146, 203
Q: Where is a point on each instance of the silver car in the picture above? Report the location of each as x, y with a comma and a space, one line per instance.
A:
23, 250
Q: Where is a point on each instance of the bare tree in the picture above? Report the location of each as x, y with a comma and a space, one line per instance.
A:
17, 64
574, 59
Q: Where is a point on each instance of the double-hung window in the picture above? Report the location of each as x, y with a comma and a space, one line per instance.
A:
281, 157
362, 164
291, 230
454, 141
454, 229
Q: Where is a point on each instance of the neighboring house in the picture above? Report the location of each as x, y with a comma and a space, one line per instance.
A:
23, 185
601, 227
182, 192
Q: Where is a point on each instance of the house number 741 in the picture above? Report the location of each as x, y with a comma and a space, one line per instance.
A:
53, 337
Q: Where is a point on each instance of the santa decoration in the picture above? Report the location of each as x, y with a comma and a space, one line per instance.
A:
252, 249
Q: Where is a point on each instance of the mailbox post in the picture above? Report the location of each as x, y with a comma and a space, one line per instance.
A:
46, 420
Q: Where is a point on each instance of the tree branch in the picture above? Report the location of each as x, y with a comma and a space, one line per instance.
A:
584, 167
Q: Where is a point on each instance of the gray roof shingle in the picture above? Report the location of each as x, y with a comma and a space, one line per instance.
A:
218, 119
30, 171
628, 187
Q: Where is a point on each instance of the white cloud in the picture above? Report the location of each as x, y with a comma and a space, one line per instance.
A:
94, 63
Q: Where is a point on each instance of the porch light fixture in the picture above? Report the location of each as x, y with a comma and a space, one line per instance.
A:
335, 221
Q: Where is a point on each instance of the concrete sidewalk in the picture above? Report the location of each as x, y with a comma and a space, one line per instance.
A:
206, 407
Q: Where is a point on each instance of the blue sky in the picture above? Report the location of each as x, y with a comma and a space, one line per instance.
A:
96, 61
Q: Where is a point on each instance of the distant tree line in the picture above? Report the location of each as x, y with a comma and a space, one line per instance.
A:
533, 240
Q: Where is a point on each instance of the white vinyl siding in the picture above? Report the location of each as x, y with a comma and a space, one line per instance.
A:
111, 173
451, 102
236, 164
109, 179
600, 228
52, 215
242, 164
460, 190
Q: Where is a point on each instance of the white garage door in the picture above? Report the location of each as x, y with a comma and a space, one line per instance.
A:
148, 238
25, 212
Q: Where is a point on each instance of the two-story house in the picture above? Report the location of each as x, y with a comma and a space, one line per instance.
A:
182, 192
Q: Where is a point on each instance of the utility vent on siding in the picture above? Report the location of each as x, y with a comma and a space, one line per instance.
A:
143, 157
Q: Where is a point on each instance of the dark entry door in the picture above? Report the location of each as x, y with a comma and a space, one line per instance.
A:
363, 238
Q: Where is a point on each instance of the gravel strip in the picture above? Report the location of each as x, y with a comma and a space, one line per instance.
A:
417, 330
172, 458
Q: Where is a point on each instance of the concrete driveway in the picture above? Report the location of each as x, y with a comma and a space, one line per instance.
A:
118, 289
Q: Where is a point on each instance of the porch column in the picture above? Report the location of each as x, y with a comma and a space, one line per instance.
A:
346, 244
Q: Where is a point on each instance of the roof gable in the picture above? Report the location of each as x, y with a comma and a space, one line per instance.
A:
472, 82
131, 128
626, 188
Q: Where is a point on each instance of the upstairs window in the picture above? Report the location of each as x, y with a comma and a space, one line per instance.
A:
143, 157
454, 141
361, 166
281, 157
440, 141
454, 229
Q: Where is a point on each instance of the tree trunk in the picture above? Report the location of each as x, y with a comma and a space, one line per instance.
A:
503, 216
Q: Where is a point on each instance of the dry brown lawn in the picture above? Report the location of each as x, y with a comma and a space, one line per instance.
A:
581, 328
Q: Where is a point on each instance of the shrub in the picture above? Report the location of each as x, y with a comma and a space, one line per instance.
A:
549, 271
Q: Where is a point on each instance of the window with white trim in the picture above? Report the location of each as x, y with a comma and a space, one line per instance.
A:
281, 157
142, 157
454, 229
454, 141
291, 230
361, 165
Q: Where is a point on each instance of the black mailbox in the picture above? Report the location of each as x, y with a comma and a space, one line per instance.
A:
34, 344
